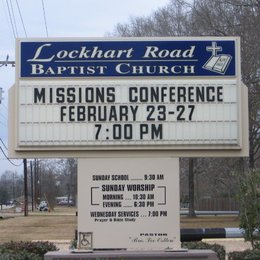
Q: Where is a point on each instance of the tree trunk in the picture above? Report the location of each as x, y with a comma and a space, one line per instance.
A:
251, 156
191, 188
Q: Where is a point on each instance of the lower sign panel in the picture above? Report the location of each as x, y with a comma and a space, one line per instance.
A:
130, 203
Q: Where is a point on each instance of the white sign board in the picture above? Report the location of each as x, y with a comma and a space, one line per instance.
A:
129, 203
140, 112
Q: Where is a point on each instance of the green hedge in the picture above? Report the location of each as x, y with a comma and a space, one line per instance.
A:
245, 255
19, 256
220, 250
24, 250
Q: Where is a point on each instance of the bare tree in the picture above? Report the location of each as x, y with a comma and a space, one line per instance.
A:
171, 20
11, 186
237, 18
56, 178
213, 18
71, 167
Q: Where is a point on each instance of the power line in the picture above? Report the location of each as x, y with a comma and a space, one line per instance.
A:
45, 21
9, 34
10, 17
15, 25
3, 143
17, 165
21, 17
5, 153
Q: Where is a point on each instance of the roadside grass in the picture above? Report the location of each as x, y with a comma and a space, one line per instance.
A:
61, 224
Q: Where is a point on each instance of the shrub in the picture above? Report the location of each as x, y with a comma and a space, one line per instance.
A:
244, 255
220, 250
249, 198
24, 255
26, 250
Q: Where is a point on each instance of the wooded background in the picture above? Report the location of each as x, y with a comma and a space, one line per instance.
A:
201, 178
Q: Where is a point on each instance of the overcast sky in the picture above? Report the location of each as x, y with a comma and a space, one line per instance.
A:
70, 18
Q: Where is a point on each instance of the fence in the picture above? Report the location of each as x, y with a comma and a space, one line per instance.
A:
217, 204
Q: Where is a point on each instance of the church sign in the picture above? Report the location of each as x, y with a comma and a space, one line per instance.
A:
166, 94
128, 108
124, 58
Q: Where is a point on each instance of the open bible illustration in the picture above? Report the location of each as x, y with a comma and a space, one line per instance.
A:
217, 62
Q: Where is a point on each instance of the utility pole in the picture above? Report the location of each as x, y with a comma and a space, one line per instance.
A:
191, 188
25, 188
35, 184
6, 62
14, 197
31, 165
1, 95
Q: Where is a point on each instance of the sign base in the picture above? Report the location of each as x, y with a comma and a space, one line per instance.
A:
137, 255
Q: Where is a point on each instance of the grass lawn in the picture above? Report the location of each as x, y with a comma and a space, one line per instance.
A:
57, 225
61, 224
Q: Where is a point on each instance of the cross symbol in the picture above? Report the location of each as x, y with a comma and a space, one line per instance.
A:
214, 48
